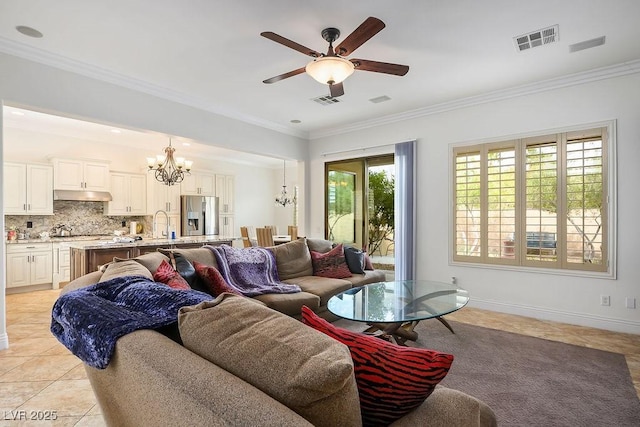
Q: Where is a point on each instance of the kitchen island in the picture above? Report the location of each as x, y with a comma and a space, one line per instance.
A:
88, 256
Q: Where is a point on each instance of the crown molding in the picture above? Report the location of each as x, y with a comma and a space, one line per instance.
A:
612, 71
38, 55
58, 61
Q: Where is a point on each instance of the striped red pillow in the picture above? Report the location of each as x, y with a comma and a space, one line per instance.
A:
392, 380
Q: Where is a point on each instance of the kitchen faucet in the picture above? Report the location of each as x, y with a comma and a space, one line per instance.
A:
155, 222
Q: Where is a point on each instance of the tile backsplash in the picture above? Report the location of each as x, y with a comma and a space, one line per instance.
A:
85, 219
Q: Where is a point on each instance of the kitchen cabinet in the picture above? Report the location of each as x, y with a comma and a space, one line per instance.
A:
226, 226
29, 264
162, 197
129, 193
224, 191
198, 184
28, 189
70, 174
61, 263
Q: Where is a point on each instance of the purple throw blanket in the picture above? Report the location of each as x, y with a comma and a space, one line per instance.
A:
89, 321
252, 271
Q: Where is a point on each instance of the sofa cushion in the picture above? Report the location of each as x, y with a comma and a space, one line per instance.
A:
319, 245
211, 277
323, 287
392, 380
202, 255
125, 268
355, 259
150, 260
167, 275
369, 276
330, 264
290, 304
293, 259
303, 369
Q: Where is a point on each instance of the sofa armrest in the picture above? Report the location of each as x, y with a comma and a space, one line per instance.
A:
153, 381
450, 408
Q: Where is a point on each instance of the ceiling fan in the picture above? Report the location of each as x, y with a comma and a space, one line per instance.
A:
332, 68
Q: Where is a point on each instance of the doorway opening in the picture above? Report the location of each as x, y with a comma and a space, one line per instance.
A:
359, 206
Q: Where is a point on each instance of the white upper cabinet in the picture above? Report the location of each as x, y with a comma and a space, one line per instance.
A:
28, 189
224, 191
162, 197
70, 174
199, 184
129, 192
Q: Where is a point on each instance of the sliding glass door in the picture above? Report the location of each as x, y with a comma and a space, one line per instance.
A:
360, 204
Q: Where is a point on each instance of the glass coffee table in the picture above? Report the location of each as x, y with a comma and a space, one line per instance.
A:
393, 309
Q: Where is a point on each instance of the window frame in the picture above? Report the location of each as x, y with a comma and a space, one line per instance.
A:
519, 262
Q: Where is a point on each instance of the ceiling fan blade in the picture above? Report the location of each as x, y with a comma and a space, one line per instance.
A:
380, 67
284, 76
290, 44
336, 90
369, 28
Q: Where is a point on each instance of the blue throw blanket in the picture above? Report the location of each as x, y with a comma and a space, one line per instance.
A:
252, 271
90, 320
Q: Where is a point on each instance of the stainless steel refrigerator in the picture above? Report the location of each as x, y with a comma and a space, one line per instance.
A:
199, 215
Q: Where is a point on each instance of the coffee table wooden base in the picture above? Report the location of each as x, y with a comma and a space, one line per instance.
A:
399, 333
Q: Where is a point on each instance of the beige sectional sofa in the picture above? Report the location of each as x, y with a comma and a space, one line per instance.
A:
154, 381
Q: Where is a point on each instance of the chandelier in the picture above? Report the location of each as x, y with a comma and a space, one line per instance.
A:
169, 171
283, 199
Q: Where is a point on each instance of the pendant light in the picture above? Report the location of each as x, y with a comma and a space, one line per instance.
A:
283, 199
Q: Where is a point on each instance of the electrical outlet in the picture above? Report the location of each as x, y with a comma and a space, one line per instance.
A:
605, 300
630, 302
454, 280
124, 223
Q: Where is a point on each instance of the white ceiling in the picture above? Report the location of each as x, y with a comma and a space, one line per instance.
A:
210, 53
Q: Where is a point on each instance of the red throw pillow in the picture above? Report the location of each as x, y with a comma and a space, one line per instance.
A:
213, 279
392, 380
167, 275
330, 264
368, 265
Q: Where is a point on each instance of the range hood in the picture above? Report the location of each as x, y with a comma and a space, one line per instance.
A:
82, 195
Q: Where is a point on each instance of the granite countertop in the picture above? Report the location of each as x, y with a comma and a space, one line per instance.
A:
111, 243
101, 241
60, 239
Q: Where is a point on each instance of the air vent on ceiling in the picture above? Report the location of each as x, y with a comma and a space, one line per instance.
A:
326, 100
587, 44
537, 38
379, 99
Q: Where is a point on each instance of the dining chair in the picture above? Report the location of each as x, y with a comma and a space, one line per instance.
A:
274, 229
292, 231
246, 241
265, 236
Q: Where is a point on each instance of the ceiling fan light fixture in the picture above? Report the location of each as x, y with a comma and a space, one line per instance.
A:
330, 69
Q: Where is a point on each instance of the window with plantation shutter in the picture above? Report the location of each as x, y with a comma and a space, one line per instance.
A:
467, 209
501, 202
537, 202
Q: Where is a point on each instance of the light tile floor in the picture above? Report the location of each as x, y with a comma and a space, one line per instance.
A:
37, 374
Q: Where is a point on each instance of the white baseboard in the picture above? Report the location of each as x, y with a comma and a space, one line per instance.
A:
609, 324
4, 341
